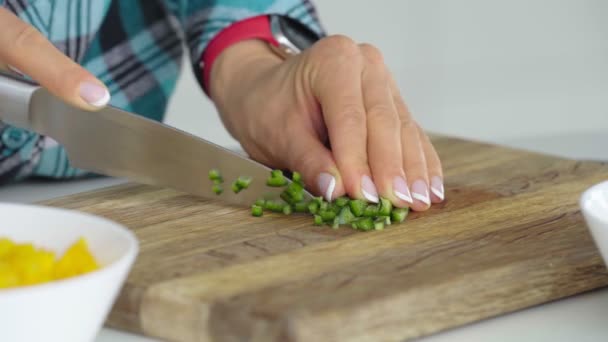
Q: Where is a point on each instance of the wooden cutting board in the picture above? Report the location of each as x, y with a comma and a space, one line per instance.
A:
509, 236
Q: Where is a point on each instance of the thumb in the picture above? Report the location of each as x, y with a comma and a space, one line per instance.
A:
23, 48
315, 162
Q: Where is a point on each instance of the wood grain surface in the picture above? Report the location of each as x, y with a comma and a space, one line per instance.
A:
509, 236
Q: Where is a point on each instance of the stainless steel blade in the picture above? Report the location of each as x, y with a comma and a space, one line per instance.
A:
120, 144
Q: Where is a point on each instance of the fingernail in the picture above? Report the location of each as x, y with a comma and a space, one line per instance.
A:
327, 184
94, 94
420, 192
401, 190
369, 189
437, 187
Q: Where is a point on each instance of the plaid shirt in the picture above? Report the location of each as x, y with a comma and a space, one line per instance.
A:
135, 47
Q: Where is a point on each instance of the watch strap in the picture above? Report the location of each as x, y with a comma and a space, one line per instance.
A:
252, 28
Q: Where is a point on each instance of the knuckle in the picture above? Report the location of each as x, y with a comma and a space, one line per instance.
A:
383, 113
371, 53
27, 36
351, 115
340, 45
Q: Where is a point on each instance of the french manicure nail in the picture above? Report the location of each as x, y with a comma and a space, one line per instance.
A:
401, 190
369, 189
437, 187
327, 184
94, 94
420, 191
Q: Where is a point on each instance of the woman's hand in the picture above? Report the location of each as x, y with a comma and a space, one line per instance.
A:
286, 114
24, 50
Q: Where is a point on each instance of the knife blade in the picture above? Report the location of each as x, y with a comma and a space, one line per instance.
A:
117, 143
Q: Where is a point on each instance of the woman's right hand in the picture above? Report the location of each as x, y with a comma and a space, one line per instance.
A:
25, 50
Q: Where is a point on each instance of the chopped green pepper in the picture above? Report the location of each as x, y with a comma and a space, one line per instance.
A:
399, 214
260, 202
341, 201
274, 206
276, 179
336, 223
313, 207
345, 216
318, 220
301, 207
236, 188
327, 216
256, 210
243, 182
371, 211
217, 189
215, 175
287, 210
365, 223
297, 178
379, 224
357, 207
385, 207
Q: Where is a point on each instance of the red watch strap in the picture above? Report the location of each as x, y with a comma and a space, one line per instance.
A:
251, 28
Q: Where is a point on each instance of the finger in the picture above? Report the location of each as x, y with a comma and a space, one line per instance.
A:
337, 86
433, 165
314, 161
25, 49
383, 131
414, 160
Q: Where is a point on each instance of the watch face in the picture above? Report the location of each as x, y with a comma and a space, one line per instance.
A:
297, 33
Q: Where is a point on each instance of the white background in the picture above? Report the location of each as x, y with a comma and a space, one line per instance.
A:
520, 72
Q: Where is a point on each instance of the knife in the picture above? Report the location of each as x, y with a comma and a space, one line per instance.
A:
117, 143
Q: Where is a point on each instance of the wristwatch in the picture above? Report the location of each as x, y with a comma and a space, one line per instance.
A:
285, 36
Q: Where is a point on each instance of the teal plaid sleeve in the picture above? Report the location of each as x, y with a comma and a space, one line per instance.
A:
135, 48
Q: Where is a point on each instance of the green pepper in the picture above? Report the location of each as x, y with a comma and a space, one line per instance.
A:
297, 178
256, 210
301, 207
313, 207
341, 201
287, 210
371, 211
217, 189
260, 202
327, 216
385, 207
243, 182
399, 214
345, 216
276, 179
357, 207
365, 223
318, 220
215, 175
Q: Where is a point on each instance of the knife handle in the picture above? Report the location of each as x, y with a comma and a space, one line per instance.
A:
15, 96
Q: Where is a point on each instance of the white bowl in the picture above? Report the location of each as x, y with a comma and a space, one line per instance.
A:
73, 309
594, 205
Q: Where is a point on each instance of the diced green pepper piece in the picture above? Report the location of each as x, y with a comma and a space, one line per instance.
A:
327, 216
260, 202
215, 175
217, 189
301, 207
399, 214
385, 219
276, 173
297, 178
235, 187
365, 224
257, 210
324, 206
357, 207
379, 225
318, 200
243, 182
341, 201
336, 223
274, 206
287, 210
385, 207
371, 211
276, 179
313, 207
345, 216
318, 220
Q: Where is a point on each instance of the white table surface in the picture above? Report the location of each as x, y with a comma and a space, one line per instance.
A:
579, 318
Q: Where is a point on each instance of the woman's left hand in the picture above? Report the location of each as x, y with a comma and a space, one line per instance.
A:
287, 114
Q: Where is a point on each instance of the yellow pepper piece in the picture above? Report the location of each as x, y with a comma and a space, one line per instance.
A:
76, 260
23, 264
